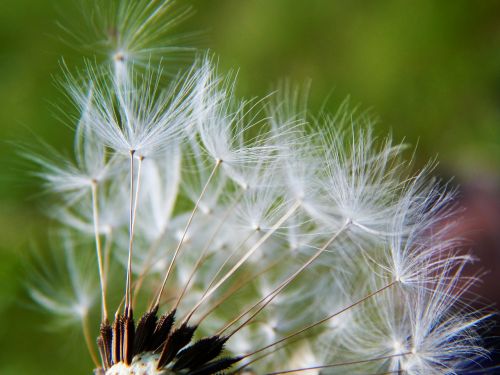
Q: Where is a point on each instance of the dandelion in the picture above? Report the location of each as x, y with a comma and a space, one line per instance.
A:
253, 236
131, 32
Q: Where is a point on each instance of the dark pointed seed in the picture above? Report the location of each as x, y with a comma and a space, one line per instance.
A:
215, 366
128, 337
175, 342
145, 330
104, 342
161, 332
200, 353
117, 339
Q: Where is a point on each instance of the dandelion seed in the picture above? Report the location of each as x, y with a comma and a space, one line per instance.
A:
135, 115
132, 32
361, 183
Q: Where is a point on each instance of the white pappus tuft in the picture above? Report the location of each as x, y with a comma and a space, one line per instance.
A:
131, 32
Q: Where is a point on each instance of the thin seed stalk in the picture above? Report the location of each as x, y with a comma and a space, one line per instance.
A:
310, 326
102, 273
134, 197
270, 296
244, 258
188, 224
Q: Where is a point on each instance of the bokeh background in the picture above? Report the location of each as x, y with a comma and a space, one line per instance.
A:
429, 70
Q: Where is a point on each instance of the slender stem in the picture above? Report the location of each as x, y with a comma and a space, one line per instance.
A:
202, 258
256, 359
270, 296
138, 186
102, 273
219, 270
148, 263
197, 265
181, 241
244, 258
134, 195
222, 299
343, 364
322, 320
89, 342
233, 290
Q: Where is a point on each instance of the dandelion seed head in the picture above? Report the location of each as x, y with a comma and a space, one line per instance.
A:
250, 234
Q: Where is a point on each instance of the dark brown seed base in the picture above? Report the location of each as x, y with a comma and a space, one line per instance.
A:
122, 341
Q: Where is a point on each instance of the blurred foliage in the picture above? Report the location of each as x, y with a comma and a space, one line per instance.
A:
429, 69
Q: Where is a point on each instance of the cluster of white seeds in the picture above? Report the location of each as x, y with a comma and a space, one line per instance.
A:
303, 238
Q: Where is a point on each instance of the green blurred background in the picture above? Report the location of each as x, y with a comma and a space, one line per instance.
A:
429, 69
